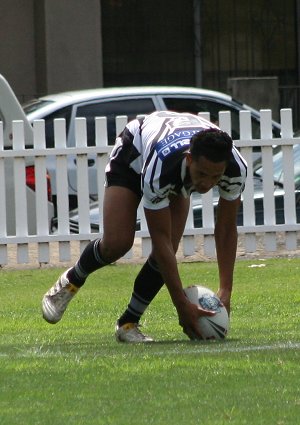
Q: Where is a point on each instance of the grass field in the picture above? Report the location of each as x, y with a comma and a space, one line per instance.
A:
76, 373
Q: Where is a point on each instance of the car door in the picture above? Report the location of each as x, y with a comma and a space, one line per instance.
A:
112, 107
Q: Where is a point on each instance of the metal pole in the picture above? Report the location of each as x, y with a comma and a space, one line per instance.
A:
197, 43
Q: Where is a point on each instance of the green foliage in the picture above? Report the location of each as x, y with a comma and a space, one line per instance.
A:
76, 373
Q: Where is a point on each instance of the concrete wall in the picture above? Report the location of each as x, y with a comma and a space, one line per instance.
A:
17, 53
68, 45
260, 93
50, 45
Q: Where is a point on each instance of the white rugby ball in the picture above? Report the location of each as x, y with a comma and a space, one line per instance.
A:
211, 327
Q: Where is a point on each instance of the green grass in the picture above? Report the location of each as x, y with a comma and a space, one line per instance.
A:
76, 373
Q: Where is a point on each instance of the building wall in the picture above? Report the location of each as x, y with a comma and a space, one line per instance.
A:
50, 45
54, 45
17, 52
68, 45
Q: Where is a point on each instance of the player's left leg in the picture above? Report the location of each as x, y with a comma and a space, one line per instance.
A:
119, 216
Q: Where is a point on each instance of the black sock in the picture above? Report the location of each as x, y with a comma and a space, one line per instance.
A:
89, 261
147, 284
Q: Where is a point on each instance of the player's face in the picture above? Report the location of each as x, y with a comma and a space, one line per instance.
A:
205, 174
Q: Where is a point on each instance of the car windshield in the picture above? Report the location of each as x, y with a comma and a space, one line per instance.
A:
278, 166
34, 104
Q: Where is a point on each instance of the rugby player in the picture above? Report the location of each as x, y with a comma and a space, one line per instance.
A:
160, 160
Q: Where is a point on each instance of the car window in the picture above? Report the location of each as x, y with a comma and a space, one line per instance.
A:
195, 105
297, 165
49, 124
110, 109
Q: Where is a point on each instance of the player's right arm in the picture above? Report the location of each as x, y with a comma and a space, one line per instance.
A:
159, 225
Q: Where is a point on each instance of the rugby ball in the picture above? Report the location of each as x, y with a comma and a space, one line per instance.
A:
211, 327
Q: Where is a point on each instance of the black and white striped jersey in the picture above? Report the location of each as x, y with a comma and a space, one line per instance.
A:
155, 148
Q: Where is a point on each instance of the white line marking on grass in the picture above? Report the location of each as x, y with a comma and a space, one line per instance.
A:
40, 352
232, 349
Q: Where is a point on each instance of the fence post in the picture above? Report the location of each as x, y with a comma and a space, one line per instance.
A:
289, 184
101, 160
248, 195
20, 191
42, 219
3, 231
268, 180
62, 187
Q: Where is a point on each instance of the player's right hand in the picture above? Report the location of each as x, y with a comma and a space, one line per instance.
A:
189, 314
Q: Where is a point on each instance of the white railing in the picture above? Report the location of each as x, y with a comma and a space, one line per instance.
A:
43, 238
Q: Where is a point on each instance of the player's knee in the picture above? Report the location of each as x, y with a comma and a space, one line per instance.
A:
114, 248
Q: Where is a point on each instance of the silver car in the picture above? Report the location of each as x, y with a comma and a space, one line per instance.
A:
128, 101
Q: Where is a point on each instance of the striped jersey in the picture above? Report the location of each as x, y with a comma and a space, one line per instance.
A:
155, 148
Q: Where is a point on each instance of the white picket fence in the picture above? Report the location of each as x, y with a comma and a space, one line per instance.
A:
43, 238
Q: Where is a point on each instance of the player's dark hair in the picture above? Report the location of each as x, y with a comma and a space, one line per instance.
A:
213, 144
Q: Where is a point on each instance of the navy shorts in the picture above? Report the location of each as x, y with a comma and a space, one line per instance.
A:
120, 174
